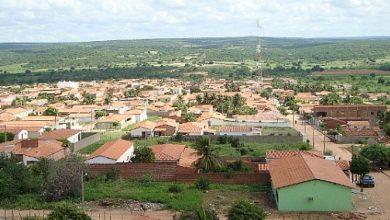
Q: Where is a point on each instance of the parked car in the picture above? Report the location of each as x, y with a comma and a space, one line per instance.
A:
366, 181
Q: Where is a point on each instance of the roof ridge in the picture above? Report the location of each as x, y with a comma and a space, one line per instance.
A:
307, 166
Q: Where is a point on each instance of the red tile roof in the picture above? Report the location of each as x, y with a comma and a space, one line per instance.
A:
190, 127
59, 134
112, 149
278, 154
302, 168
168, 152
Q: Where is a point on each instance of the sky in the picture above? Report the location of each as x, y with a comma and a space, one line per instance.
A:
94, 20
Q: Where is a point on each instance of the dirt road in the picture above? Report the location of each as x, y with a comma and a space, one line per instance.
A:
339, 150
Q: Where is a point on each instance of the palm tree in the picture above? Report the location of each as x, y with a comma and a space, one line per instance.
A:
209, 158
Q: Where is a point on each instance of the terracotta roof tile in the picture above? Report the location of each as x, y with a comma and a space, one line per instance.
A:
59, 134
168, 152
302, 168
112, 149
278, 154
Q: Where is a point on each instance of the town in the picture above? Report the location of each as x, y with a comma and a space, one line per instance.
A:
292, 149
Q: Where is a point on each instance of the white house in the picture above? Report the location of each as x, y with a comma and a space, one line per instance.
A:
139, 114
71, 135
115, 151
144, 129
19, 112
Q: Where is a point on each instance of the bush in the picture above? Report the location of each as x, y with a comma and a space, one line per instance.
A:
200, 214
235, 142
244, 210
143, 155
202, 183
112, 174
66, 211
222, 139
175, 188
238, 166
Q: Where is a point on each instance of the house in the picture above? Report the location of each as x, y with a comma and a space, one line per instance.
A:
5, 116
190, 128
114, 121
19, 133
139, 114
199, 109
305, 183
31, 150
143, 129
53, 122
179, 153
19, 112
166, 127
349, 112
71, 135
115, 151
239, 131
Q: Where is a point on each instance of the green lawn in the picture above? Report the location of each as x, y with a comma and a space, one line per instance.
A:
189, 199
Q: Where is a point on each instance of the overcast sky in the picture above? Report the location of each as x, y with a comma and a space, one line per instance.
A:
90, 20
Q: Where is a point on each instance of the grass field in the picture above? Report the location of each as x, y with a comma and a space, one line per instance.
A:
190, 198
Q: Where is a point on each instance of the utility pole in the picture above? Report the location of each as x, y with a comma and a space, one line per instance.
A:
313, 134
259, 71
82, 186
324, 140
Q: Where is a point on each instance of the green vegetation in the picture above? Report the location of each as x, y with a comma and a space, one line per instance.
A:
143, 155
160, 58
244, 210
6, 136
104, 138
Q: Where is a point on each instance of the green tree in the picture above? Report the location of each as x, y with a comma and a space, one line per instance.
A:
377, 153
330, 99
386, 129
100, 113
209, 158
244, 210
189, 117
50, 111
6, 136
89, 98
143, 155
359, 165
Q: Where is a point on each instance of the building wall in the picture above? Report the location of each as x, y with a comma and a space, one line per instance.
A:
100, 160
126, 157
75, 138
326, 197
169, 130
221, 122
137, 132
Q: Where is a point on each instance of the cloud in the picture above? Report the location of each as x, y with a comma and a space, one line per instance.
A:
87, 20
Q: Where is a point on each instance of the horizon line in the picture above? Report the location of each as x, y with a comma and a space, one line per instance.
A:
183, 38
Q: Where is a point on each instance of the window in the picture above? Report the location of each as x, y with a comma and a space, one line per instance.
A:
372, 113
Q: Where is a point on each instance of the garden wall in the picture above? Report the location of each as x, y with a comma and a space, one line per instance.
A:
170, 171
256, 139
87, 139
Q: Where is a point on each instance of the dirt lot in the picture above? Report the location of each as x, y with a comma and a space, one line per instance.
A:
375, 202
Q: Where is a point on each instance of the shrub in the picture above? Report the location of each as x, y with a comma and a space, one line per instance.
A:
222, 139
175, 188
143, 155
202, 183
66, 211
238, 166
244, 210
200, 214
112, 174
235, 142
328, 152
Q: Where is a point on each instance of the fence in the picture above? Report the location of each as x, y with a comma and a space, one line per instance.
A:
256, 139
87, 138
158, 171
170, 171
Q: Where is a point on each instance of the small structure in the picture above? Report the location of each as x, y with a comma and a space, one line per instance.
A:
306, 183
239, 131
191, 129
115, 151
143, 129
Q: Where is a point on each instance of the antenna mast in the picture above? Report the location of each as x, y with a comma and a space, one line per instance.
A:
259, 71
